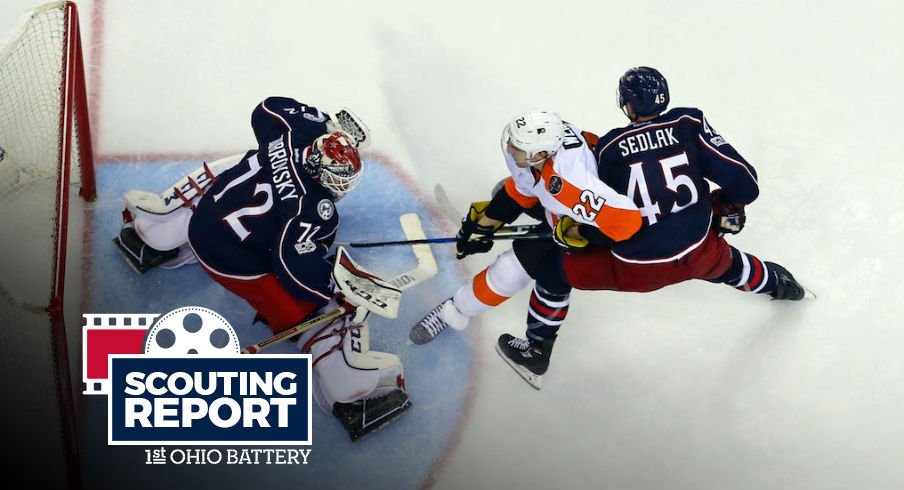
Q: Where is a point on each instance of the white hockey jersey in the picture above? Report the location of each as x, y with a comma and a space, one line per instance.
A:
569, 185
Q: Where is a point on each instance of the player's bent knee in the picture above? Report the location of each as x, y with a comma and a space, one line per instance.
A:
506, 275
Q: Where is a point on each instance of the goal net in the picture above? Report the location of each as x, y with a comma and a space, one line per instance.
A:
45, 165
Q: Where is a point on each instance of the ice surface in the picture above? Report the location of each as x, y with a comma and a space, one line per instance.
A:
694, 386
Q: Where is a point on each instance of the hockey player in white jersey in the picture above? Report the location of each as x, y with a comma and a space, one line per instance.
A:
553, 178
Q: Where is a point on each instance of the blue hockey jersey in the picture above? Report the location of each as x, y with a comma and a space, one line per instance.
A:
266, 215
664, 165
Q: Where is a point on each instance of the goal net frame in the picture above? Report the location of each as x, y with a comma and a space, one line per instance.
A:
74, 166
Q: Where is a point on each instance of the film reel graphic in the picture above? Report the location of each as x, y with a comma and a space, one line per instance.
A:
192, 330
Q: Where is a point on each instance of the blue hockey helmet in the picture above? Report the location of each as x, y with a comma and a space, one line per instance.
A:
645, 89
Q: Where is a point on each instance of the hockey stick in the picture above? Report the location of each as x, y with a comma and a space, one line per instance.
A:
297, 329
442, 199
508, 232
425, 269
505, 236
426, 263
445, 205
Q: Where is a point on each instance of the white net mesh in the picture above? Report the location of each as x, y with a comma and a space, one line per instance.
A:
30, 94
32, 65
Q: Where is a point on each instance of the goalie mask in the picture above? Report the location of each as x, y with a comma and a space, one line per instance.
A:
335, 163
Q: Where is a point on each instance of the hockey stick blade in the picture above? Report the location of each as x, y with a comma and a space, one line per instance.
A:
426, 263
445, 205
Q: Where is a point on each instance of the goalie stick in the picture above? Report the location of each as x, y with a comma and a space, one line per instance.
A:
426, 263
297, 329
425, 269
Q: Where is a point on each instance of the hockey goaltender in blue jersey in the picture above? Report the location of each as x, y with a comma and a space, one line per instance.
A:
266, 215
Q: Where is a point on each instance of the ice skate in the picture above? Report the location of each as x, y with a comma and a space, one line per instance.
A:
443, 316
529, 358
138, 254
786, 288
363, 417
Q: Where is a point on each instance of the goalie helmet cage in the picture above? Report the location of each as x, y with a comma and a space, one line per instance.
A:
45, 148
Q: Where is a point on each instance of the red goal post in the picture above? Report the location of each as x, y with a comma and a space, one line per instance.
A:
45, 151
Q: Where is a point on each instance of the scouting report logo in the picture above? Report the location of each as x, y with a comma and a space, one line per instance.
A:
181, 380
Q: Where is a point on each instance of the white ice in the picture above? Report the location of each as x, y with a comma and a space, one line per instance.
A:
691, 387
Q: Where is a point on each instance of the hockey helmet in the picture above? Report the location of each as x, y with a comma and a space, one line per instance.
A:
645, 89
535, 132
335, 162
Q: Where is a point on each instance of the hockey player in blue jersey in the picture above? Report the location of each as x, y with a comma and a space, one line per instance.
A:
262, 225
663, 162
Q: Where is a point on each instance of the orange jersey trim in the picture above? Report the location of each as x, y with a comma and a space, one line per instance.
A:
618, 224
484, 293
525, 202
591, 139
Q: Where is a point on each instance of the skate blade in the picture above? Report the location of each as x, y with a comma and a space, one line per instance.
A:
418, 336
382, 422
127, 256
179, 261
535, 380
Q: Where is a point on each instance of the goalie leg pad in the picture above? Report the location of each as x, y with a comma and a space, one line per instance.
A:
160, 231
345, 368
161, 220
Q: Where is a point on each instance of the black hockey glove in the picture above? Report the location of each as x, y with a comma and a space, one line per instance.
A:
563, 240
727, 217
473, 238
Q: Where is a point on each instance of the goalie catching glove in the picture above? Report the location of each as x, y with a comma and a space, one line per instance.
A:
564, 240
727, 217
472, 237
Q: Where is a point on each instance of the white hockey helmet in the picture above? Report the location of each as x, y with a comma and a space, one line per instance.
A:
534, 132
335, 162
